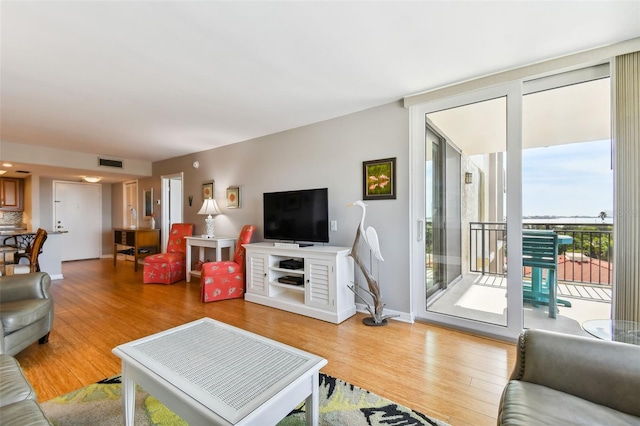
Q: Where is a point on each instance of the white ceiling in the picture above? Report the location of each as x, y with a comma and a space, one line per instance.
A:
155, 80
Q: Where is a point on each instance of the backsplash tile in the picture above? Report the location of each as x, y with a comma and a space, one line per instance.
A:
11, 218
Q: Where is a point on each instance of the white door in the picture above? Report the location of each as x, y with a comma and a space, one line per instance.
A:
77, 210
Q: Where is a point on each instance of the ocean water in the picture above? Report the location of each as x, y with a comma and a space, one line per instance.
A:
572, 220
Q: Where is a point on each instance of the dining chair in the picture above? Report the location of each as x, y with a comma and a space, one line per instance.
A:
33, 252
225, 279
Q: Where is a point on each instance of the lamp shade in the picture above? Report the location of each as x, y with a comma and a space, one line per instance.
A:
209, 207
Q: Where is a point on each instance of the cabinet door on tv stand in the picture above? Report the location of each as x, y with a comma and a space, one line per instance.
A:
320, 284
257, 270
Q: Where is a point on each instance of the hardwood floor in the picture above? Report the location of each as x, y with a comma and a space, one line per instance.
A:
447, 374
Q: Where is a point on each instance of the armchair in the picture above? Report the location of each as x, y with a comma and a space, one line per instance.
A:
225, 279
561, 379
169, 267
26, 311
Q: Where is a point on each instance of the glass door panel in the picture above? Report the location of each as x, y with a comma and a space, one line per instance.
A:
465, 193
567, 188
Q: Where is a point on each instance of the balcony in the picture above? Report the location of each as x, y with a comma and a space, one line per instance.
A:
584, 277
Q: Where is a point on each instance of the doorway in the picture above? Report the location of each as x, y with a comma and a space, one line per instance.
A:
172, 204
77, 211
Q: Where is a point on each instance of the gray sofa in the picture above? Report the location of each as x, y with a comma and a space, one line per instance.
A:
26, 311
18, 402
560, 379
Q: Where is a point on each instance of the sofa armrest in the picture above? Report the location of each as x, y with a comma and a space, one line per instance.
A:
25, 286
603, 372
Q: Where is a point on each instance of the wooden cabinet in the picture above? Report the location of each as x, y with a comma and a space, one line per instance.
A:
318, 287
11, 194
137, 243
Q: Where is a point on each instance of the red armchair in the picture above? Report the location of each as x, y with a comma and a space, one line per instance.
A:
225, 279
169, 267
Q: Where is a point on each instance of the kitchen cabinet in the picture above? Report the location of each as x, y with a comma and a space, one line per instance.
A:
11, 194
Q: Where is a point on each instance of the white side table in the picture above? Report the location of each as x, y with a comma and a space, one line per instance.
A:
218, 243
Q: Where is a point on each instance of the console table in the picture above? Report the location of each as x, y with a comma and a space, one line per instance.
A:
318, 289
217, 243
209, 372
143, 241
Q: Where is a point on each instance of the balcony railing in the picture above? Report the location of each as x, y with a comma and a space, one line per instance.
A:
587, 260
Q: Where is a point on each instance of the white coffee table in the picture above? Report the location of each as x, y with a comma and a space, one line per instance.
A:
209, 372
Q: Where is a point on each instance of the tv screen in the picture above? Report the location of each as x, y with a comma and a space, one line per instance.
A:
298, 216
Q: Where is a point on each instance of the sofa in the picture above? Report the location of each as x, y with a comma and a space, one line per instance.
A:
18, 402
26, 311
562, 379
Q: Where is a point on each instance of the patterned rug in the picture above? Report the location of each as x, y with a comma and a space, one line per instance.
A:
341, 404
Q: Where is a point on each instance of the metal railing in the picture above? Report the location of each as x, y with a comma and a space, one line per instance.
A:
588, 259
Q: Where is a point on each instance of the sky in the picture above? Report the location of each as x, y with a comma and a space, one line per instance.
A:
567, 180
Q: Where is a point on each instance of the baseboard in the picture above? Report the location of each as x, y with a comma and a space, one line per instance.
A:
56, 277
401, 316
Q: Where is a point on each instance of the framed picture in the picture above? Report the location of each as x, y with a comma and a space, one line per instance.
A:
233, 197
379, 179
147, 196
207, 190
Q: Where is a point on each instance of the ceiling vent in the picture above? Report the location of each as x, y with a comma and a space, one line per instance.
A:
110, 163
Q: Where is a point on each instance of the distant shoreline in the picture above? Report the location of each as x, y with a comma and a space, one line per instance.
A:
564, 219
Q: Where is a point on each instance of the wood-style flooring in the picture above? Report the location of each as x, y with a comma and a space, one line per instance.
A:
454, 376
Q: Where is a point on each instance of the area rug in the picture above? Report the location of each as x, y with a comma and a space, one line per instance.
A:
341, 404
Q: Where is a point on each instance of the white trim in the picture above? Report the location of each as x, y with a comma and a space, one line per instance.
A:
566, 78
569, 62
401, 316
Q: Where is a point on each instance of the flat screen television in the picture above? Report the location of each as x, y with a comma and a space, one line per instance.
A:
298, 216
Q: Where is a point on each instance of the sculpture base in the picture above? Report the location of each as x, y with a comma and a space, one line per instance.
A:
370, 321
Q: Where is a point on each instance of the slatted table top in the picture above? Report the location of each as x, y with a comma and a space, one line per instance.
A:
220, 366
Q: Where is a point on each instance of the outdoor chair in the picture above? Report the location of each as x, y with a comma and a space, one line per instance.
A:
540, 252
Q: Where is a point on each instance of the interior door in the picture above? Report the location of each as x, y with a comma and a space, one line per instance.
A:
77, 211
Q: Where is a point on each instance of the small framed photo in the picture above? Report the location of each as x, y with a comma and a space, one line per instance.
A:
207, 190
233, 197
379, 179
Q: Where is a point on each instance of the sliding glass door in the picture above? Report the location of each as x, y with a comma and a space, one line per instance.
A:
467, 198
443, 219
462, 205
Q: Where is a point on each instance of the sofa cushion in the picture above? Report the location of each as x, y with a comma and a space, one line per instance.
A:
22, 413
525, 403
14, 386
21, 313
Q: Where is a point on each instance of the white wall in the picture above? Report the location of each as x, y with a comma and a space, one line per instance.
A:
327, 154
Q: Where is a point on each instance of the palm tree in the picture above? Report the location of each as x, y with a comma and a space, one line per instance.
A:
603, 216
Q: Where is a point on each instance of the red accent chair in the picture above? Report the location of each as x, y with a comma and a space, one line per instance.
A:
169, 267
225, 279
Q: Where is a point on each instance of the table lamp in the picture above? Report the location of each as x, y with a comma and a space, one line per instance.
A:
209, 207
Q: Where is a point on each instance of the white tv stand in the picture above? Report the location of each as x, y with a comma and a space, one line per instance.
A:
324, 294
